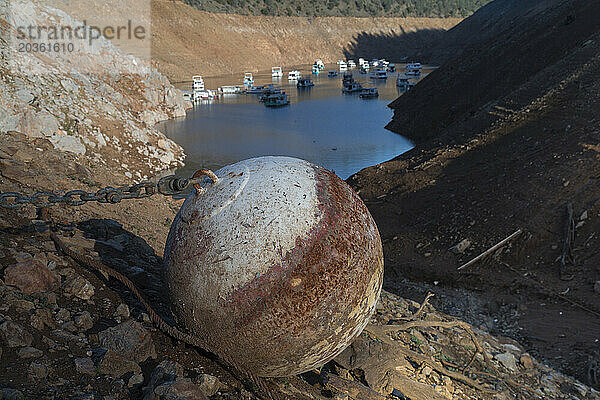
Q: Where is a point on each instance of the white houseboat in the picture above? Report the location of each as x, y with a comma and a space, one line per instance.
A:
197, 83
230, 90
294, 75
276, 72
248, 79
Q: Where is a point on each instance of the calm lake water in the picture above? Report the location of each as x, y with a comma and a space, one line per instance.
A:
340, 132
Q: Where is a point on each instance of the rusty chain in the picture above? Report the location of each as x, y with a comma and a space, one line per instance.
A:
167, 186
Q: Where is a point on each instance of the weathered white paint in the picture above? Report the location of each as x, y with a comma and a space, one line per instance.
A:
249, 238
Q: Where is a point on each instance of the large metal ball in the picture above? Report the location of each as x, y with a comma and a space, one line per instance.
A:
278, 265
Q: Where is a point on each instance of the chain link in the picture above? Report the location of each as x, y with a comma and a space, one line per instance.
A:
167, 186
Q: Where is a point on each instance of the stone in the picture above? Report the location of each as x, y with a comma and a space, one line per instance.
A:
597, 287
69, 144
426, 370
166, 371
526, 361
180, 389
129, 339
38, 124
62, 315
14, 335
122, 311
25, 96
31, 276
508, 360
29, 352
41, 318
209, 384
461, 246
22, 256
85, 365
79, 287
584, 216
84, 321
38, 371
115, 365
135, 379
22, 306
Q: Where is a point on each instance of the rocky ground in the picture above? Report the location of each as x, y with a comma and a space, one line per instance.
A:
68, 332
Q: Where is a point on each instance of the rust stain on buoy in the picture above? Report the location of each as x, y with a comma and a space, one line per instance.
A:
278, 264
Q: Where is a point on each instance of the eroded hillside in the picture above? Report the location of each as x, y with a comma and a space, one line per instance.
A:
187, 41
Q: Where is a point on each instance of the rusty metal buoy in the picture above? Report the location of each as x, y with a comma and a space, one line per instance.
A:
276, 262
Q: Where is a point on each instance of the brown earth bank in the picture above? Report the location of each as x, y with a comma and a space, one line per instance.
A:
507, 135
186, 41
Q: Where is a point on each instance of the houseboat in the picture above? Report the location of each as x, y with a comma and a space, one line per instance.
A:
316, 69
379, 73
347, 78
269, 92
294, 75
343, 66
258, 89
248, 79
276, 72
413, 69
332, 74
304, 83
204, 94
277, 100
230, 90
351, 64
403, 82
369, 93
319, 64
352, 87
197, 83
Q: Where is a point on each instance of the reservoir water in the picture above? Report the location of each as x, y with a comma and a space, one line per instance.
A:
340, 132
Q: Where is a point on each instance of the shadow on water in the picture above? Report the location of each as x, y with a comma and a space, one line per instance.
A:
396, 45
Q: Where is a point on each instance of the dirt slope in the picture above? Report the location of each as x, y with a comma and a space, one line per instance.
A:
506, 138
522, 46
187, 41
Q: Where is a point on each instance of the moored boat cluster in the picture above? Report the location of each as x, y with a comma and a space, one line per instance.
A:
377, 70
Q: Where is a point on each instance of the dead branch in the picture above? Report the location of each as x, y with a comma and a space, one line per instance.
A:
422, 306
491, 249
